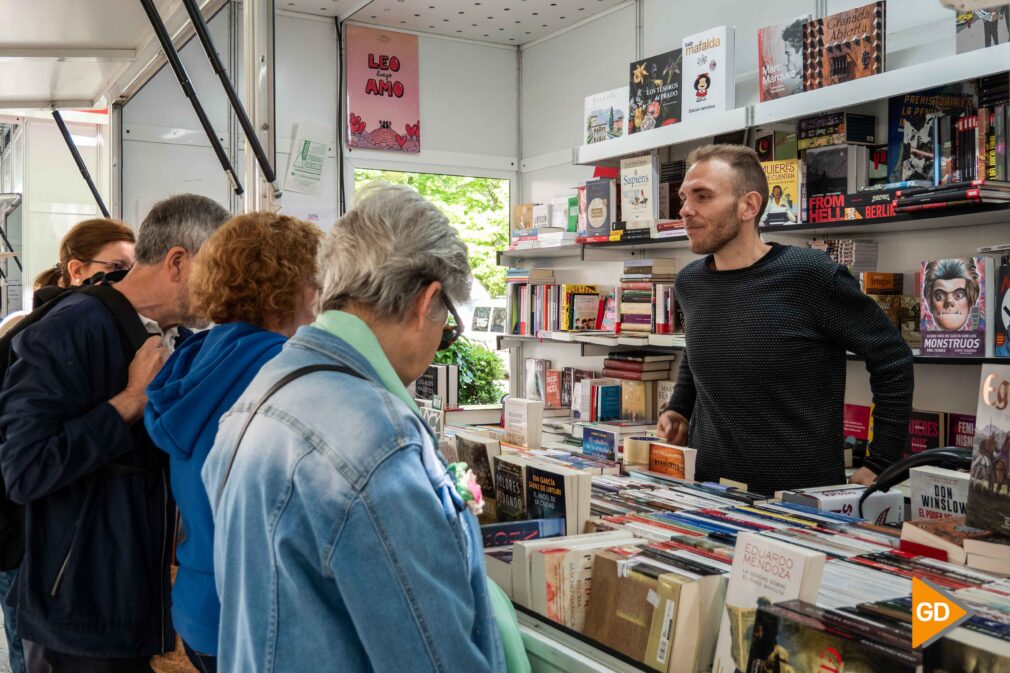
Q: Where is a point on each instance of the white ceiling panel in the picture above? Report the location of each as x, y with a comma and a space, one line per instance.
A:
109, 24
506, 22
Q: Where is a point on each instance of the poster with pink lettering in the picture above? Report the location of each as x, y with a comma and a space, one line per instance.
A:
383, 99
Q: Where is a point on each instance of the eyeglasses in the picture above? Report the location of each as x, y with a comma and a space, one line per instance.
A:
451, 332
113, 266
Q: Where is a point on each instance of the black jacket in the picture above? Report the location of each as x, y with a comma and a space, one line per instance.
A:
99, 513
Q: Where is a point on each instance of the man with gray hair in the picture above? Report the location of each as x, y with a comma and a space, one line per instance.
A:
341, 535
93, 589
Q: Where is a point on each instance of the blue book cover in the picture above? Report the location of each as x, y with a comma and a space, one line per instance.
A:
601, 207
599, 443
608, 403
510, 532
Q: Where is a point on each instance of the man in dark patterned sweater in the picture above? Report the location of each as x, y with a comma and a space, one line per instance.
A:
761, 385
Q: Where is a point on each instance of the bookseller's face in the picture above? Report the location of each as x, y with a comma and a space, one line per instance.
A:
710, 206
949, 302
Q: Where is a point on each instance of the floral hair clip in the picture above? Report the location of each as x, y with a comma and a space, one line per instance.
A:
467, 487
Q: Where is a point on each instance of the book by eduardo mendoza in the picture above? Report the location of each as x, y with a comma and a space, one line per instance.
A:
765, 571
989, 492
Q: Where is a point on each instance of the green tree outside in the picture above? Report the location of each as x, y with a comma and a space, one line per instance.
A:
478, 208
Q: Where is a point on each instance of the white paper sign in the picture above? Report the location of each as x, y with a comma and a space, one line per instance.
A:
308, 159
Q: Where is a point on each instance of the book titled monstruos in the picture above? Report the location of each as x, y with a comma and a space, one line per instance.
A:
843, 46
654, 92
606, 115
780, 59
709, 79
953, 303
765, 571
989, 495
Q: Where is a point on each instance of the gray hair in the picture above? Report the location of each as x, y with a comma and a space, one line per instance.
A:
390, 246
184, 220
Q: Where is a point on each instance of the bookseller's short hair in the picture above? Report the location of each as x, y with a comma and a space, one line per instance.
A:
744, 162
391, 245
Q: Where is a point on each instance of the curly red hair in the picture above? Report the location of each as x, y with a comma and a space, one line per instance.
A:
255, 269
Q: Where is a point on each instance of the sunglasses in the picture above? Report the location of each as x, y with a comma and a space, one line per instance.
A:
453, 329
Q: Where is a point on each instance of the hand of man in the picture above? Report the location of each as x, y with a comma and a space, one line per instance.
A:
863, 476
145, 366
672, 427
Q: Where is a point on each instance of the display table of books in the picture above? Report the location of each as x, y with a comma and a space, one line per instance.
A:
616, 559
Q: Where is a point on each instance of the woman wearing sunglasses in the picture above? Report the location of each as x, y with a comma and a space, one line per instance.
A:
341, 535
93, 246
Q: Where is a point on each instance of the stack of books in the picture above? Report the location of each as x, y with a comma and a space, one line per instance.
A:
638, 300
860, 255
952, 195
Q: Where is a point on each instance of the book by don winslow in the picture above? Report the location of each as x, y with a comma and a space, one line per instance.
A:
709, 80
780, 59
952, 306
654, 92
989, 490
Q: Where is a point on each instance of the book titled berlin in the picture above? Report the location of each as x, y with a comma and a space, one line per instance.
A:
709, 79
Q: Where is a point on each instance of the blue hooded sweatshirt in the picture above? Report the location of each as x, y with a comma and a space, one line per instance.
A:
198, 384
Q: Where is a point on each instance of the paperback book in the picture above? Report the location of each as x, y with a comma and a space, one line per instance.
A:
654, 92
989, 495
912, 129
937, 493
844, 46
953, 306
709, 78
780, 59
783, 192
606, 115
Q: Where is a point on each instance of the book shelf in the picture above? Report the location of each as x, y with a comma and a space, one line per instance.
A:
947, 70
590, 251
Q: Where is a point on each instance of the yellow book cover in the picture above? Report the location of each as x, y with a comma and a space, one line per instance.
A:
566, 302
783, 192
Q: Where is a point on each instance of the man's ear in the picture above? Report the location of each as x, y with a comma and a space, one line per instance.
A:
428, 299
750, 206
176, 260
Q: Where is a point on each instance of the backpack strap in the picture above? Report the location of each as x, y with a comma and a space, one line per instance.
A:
127, 318
283, 381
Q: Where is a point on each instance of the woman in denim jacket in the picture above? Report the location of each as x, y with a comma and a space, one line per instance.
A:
342, 542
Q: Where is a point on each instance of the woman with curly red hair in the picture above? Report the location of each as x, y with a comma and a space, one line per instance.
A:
256, 279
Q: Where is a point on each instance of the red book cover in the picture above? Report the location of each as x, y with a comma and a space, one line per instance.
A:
552, 396
626, 365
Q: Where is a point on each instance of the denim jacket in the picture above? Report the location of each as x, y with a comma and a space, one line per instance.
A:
340, 543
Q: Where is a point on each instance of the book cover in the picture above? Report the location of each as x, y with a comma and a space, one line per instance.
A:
639, 191
523, 422
925, 431
856, 429
601, 209
600, 443
953, 306
545, 494
827, 170
843, 46
479, 453
637, 399
709, 79
982, 28
510, 491
510, 532
536, 378
584, 311
552, 390
780, 59
783, 192
989, 495
911, 128
673, 461
608, 402
960, 430
1001, 313
654, 92
606, 115
426, 385
764, 571
937, 493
